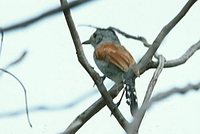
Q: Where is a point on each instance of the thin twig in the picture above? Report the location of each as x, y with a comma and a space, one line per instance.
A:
94, 75
162, 96
139, 38
46, 14
56, 107
16, 61
25, 94
2, 36
181, 60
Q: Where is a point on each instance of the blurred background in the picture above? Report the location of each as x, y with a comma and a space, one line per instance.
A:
54, 78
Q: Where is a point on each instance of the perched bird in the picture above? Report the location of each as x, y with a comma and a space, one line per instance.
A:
115, 62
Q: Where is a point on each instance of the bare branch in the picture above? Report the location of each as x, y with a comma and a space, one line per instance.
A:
158, 98
38, 108
181, 60
91, 111
138, 38
154, 79
25, 94
139, 116
16, 61
147, 58
9, 73
2, 36
46, 14
94, 75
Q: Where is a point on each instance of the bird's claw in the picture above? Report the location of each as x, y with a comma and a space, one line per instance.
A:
102, 79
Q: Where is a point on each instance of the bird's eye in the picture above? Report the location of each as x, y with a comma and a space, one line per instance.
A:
94, 35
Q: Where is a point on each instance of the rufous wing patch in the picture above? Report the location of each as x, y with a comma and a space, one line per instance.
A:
115, 54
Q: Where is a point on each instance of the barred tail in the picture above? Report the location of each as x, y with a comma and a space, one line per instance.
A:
131, 96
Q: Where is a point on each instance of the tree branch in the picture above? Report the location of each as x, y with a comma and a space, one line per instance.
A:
44, 15
181, 60
154, 79
158, 98
138, 38
38, 108
91, 111
94, 75
147, 58
25, 94
1, 42
139, 115
16, 61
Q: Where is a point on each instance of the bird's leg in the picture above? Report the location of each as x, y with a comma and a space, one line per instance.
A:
119, 102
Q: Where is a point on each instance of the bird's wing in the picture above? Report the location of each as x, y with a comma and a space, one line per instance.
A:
115, 54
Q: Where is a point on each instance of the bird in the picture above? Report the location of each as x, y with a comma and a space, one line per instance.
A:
115, 62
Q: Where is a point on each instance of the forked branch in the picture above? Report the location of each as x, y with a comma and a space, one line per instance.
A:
147, 58
94, 75
159, 97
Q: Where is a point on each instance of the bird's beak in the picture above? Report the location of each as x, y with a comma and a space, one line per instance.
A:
86, 42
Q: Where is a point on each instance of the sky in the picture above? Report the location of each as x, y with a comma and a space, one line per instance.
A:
53, 76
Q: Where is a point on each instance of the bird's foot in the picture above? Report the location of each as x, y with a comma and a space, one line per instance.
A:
102, 79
